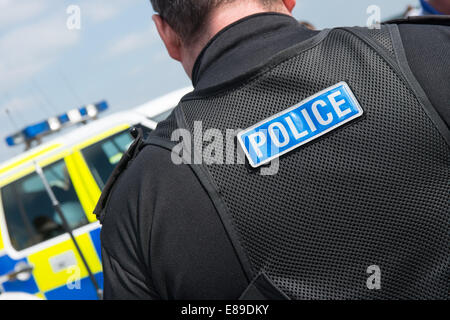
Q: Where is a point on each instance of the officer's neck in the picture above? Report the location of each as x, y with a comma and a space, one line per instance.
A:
219, 19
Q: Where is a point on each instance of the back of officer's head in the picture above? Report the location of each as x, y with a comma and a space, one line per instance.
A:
186, 25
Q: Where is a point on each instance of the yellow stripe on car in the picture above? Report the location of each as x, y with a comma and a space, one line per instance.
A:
2, 246
87, 190
30, 168
29, 158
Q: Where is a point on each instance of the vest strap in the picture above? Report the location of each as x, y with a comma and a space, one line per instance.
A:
262, 288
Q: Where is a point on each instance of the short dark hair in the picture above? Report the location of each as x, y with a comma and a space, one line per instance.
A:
187, 17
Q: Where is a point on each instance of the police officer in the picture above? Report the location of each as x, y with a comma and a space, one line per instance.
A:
338, 184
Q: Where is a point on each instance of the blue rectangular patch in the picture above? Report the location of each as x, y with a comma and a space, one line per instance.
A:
300, 124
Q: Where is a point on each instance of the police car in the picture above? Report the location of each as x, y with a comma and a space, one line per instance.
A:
49, 237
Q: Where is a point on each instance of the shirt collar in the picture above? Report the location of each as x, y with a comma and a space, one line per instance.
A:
245, 44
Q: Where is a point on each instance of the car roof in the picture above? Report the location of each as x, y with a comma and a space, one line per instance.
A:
162, 104
69, 140
141, 114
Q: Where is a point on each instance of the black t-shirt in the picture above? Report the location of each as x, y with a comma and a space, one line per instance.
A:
162, 237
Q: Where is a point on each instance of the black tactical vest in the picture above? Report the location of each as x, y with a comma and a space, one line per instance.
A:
371, 195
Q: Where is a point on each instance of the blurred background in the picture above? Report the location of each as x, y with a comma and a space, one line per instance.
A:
46, 69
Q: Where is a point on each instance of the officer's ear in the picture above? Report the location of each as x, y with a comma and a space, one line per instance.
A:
170, 38
290, 4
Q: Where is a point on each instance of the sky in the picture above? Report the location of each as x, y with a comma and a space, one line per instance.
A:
47, 69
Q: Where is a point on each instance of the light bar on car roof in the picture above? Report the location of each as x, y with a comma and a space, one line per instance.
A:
55, 124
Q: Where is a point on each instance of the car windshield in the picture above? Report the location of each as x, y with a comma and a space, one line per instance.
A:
29, 214
103, 156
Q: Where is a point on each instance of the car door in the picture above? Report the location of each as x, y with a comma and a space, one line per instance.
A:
34, 238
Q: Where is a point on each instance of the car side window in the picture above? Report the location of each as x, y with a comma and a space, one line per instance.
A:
29, 214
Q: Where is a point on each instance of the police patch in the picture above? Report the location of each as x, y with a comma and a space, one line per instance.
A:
298, 125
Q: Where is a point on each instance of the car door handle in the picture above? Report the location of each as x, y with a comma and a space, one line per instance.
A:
22, 272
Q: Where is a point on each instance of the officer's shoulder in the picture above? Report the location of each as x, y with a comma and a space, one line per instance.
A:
161, 136
154, 150
150, 160
155, 156
147, 159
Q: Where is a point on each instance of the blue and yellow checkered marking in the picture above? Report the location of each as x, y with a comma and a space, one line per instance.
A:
7, 265
45, 283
